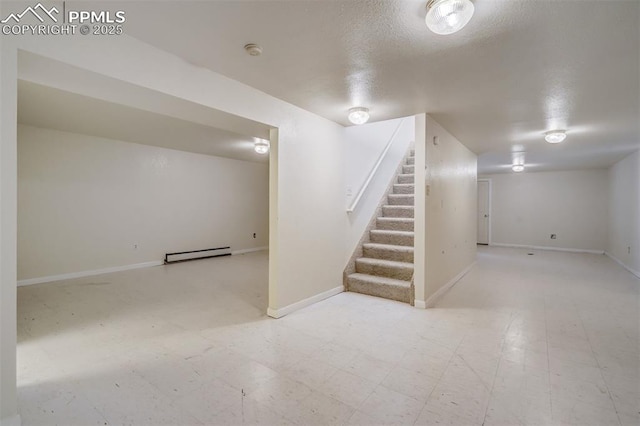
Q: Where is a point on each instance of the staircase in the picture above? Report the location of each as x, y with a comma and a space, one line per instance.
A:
386, 266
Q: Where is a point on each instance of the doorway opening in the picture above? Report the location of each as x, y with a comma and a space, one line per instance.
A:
484, 211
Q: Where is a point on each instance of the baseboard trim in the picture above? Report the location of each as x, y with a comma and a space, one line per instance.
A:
420, 304
82, 274
250, 250
569, 250
279, 313
618, 261
435, 297
11, 421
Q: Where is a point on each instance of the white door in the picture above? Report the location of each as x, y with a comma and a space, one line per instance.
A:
483, 212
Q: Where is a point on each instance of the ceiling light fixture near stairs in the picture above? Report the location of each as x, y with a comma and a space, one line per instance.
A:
261, 146
446, 17
518, 161
359, 115
555, 136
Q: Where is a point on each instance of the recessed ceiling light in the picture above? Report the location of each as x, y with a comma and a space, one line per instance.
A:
555, 136
518, 168
359, 115
261, 146
253, 49
448, 16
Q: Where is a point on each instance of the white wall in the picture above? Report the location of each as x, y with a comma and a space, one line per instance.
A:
84, 202
446, 200
526, 208
364, 145
623, 242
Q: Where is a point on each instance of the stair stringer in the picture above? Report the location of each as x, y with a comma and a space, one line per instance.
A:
366, 235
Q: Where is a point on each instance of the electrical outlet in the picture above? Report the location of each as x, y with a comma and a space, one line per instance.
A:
554, 236
254, 235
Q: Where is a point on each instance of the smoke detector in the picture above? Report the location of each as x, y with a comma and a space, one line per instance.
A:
253, 49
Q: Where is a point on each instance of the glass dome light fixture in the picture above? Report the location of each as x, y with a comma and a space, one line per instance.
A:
261, 146
518, 168
555, 136
446, 17
359, 115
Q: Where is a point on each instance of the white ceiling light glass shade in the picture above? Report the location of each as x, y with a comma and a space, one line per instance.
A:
261, 146
555, 136
359, 115
448, 16
518, 168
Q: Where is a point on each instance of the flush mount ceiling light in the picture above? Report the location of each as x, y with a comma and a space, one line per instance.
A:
518, 168
555, 136
359, 115
446, 17
261, 146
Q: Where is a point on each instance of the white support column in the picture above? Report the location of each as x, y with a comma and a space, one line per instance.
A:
8, 228
273, 224
419, 275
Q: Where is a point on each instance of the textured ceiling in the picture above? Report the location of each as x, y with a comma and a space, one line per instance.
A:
518, 69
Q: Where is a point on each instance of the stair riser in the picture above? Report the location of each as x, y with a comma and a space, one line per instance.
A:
392, 211
400, 200
400, 294
388, 254
411, 161
402, 189
392, 239
405, 179
408, 170
390, 225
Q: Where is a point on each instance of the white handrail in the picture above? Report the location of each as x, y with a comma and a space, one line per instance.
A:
373, 171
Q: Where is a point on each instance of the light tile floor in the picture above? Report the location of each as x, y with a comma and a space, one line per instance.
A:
551, 338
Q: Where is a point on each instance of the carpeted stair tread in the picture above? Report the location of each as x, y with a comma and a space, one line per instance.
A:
404, 188
388, 247
398, 238
408, 169
406, 178
398, 211
392, 232
411, 161
385, 268
388, 252
382, 280
401, 199
388, 288
395, 223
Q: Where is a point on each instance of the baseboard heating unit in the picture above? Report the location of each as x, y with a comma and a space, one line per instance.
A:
184, 256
